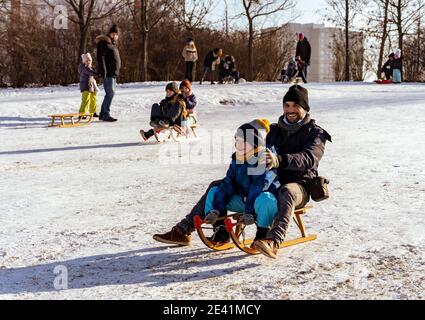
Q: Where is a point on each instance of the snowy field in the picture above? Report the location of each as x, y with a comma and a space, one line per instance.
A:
90, 198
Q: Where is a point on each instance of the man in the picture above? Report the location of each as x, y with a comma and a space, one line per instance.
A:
304, 52
212, 59
108, 64
299, 144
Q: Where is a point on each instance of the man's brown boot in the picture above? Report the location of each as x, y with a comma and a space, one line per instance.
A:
268, 247
175, 236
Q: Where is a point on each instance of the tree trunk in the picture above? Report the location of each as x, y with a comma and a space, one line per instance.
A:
251, 51
400, 30
347, 41
84, 34
383, 38
144, 39
144, 56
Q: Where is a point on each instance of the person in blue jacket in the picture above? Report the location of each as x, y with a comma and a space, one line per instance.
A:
248, 186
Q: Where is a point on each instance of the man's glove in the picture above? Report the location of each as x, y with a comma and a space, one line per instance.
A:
212, 216
247, 219
272, 160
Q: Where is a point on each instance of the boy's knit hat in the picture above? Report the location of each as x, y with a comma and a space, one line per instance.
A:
172, 86
186, 84
299, 95
254, 132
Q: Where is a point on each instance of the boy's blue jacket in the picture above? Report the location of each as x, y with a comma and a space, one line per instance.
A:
239, 181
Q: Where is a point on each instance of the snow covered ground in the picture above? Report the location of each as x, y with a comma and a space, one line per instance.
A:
89, 199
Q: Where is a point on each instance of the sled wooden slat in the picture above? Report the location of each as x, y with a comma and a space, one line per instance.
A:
68, 121
236, 230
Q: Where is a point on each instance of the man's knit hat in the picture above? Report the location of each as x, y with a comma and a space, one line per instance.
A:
114, 29
299, 95
172, 86
254, 132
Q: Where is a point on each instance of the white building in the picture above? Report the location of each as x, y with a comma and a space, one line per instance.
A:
321, 38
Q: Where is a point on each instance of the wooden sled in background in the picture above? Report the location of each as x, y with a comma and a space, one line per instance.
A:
237, 232
384, 81
70, 120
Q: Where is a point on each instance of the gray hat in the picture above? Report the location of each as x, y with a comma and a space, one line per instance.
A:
172, 86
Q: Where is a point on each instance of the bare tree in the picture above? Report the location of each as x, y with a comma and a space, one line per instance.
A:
343, 13
378, 26
254, 9
86, 12
193, 14
404, 16
146, 15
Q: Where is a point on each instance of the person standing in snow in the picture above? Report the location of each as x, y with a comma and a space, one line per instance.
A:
304, 52
397, 67
108, 65
299, 144
212, 60
88, 86
190, 55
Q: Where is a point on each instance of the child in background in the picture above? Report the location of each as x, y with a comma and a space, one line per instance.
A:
88, 85
189, 97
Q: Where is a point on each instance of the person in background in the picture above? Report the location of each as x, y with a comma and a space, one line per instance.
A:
212, 59
387, 69
397, 67
108, 67
304, 52
190, 55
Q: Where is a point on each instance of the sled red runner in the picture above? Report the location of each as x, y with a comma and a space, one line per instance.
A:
70, 120
238, 234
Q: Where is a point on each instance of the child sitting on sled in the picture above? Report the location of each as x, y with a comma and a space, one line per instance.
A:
248, 186
170, 111
88, 85
189, 97
191, 102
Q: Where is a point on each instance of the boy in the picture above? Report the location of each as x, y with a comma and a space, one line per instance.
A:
168, 112
248, 186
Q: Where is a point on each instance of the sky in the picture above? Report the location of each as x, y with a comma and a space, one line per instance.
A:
305, 11
308, 10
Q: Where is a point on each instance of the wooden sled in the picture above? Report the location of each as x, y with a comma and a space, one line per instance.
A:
237, 232
70, 120
177, 133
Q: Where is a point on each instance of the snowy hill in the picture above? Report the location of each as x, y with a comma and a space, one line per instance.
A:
90, 198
